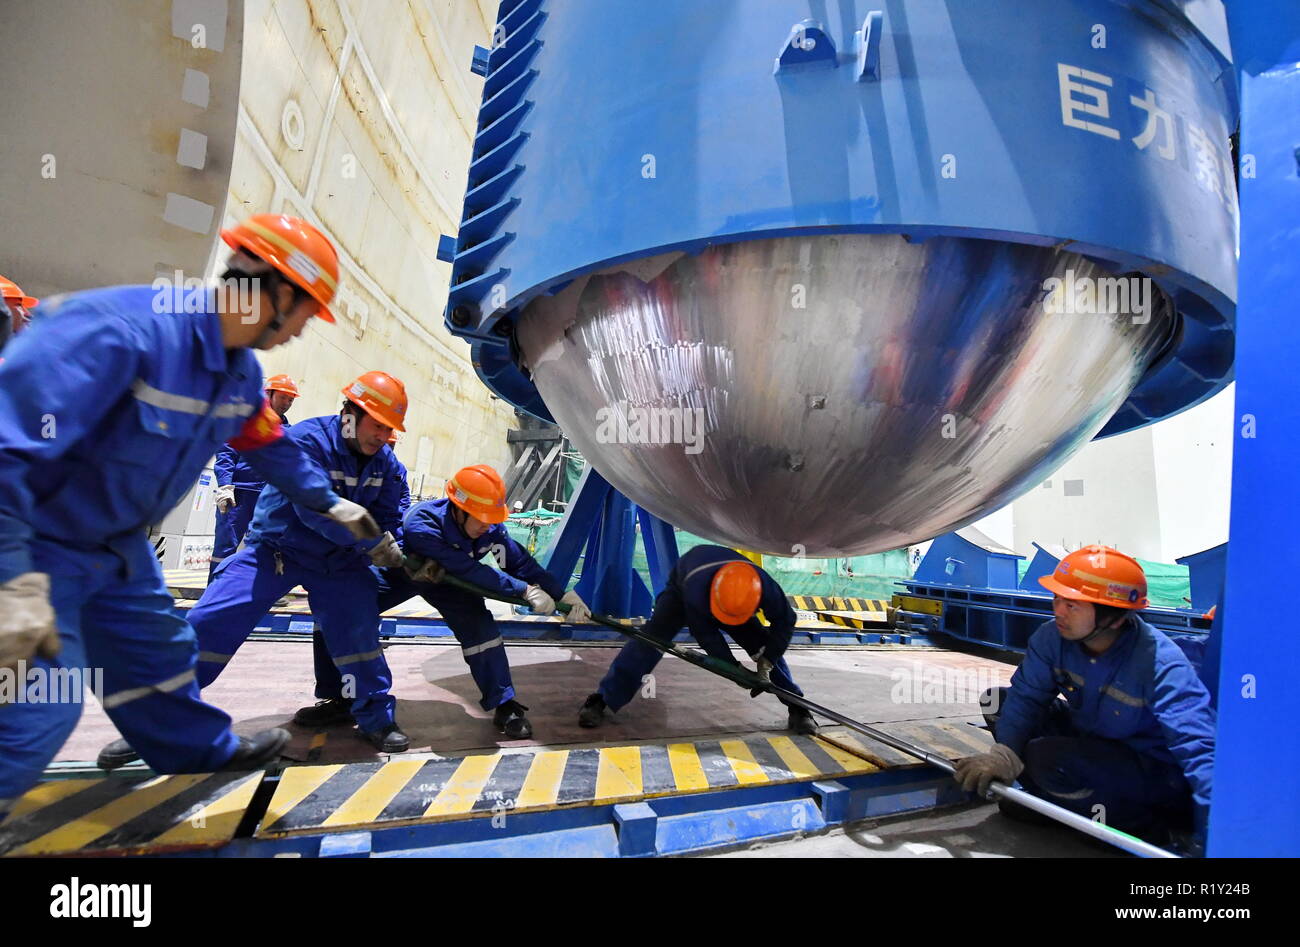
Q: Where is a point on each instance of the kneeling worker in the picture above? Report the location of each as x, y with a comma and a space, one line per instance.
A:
1132, 741
711, 591
454, 534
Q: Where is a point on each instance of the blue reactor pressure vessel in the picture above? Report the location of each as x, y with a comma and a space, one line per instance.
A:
835, 276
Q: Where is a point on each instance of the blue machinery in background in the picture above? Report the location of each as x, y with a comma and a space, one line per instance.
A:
543, 173
982, 599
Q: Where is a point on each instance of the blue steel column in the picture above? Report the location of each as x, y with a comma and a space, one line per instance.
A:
1254, 811
604, 523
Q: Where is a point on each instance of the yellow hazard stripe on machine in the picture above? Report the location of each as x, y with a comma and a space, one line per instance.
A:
910, 603
827, 603
851, 621
119, 816
324, 798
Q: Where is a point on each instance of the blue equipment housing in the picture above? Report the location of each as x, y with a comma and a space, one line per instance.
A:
611, 132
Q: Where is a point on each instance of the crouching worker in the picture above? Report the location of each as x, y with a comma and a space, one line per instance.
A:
711, 591
1131, 742
453, 534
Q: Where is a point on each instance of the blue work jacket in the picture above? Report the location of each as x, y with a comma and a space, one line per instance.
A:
233, 470
1141, 691
432, 531
315, 541
111, 404
693, 576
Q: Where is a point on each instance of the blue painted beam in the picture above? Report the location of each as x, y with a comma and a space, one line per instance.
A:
1253, 811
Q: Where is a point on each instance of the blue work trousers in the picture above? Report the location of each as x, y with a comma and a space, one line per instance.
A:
468, 618
343, 604
124, 634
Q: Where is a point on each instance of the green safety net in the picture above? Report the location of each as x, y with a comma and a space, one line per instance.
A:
871, 576
1168, 584
874, 576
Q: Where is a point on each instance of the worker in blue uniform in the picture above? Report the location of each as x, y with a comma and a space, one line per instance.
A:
288, 545
712, 591
111, 403
454, 534
238, 485
332, 708
1131, 741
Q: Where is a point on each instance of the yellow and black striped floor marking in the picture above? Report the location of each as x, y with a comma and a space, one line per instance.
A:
188, 579
854, 621
351, 796
120, 817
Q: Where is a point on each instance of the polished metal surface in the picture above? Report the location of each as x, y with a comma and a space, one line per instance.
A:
854, 393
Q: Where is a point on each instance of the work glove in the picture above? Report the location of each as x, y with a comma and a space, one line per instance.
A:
27, 625
420, 569
539, 601
765, 674
354, 518
976, 772
386, 554
225, 497
578, 610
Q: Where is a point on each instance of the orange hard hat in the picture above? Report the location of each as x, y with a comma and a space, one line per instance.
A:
9, 290
735, 593
480, 492
1100, 575
282, 383
295, 248
381, 396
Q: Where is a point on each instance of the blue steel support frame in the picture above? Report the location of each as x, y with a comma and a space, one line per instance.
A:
1254, 810
605, 522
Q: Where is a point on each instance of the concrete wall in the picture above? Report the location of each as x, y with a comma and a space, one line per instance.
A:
1193, 454
116, 145
359, 115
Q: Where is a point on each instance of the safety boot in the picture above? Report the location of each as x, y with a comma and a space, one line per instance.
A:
801, 722
592, 713
118, 753
252, 752
325, 713
258, 750
391, 739
509, 718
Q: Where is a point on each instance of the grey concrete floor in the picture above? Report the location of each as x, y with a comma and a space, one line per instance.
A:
977, 830
437, 700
